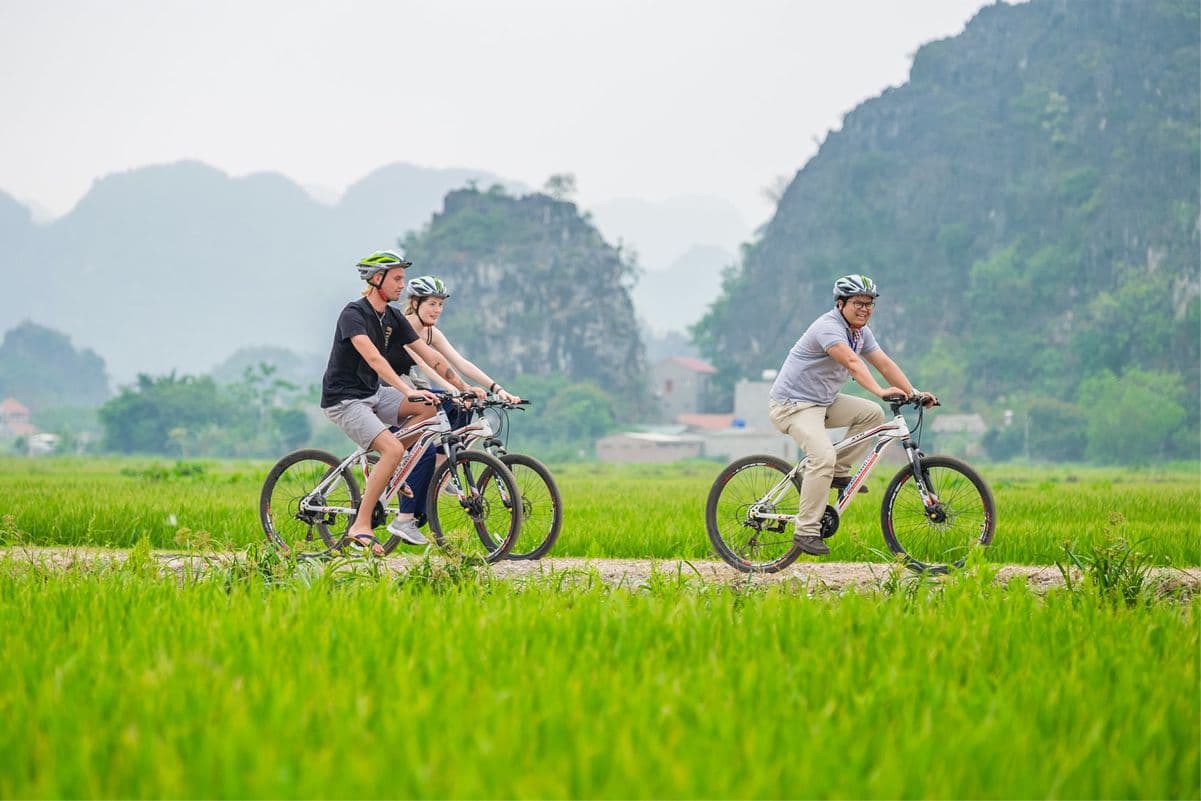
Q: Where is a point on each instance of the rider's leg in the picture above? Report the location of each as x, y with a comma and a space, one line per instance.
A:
806, 424
857, 415
390, 453
359, 419
419, 483
406, 413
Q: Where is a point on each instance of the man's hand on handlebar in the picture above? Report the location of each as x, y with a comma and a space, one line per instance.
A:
900, 398
891, 394
423, 396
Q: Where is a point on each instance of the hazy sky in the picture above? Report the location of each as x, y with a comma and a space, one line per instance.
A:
637, 99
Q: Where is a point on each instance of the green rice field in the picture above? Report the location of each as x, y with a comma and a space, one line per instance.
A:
260, 678
640, 511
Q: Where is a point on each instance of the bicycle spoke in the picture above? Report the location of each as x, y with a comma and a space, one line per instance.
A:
742, 537
961, 516
292, 511
542, 509
481, 521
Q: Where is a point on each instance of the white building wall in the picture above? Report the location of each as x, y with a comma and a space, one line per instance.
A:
750, 403
729, 445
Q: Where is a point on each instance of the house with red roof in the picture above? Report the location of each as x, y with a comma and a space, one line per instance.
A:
680, 384
14, 419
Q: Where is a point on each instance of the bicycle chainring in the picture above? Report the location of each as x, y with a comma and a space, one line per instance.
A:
829, 522
378, 516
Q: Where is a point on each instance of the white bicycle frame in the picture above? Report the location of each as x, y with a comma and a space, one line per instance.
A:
896, 430
434, 428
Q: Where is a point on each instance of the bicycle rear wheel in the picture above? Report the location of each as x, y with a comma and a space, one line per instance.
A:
479, 515
935, 538
541, 506
295, 518
739, 494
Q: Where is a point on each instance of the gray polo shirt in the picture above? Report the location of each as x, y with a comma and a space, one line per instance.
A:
809, 374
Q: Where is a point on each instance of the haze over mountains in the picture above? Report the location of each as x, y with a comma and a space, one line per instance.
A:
178, 266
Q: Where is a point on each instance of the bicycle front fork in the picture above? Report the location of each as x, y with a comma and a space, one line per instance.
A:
921, 479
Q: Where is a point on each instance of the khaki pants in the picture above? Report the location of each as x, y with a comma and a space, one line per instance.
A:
806, 423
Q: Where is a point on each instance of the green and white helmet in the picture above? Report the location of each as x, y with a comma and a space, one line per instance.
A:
851, 285
428, 286
379, 262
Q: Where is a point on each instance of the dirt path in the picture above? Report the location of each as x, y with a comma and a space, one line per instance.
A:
616, 572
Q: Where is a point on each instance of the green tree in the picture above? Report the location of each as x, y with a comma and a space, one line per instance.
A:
581, 412
1057, 431
291, 428
155, 415
1134, 418
560, 186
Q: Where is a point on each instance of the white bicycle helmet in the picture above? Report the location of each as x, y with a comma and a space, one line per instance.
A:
851, 285
428, 286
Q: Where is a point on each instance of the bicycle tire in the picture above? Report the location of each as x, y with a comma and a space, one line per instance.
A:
541, 507
288, 482
484, 521
935, 540
739, 540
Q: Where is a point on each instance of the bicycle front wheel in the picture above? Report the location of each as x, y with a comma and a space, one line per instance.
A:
738, 509
297, 518
474, 506
932, 538
541, 506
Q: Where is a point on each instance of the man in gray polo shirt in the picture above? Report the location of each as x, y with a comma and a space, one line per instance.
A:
805, 399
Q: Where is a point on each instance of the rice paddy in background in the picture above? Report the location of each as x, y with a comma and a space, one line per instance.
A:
263, 679
638, 511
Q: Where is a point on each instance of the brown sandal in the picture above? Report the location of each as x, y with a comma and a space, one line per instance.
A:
367, 541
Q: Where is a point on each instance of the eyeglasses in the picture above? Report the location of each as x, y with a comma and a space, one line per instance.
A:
863, 304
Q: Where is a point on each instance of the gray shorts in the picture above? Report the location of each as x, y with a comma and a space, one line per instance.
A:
364, 419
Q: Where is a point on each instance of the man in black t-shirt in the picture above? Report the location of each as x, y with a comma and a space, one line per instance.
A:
362, 391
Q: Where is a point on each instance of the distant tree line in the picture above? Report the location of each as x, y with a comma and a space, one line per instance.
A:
195, 416
264, 416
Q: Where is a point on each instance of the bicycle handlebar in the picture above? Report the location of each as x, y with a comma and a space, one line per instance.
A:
897, 401
470, 398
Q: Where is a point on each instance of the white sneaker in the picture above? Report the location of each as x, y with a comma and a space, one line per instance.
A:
407, 530
450, 490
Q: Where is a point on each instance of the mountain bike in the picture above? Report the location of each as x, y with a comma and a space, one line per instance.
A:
934, 510
310, 497
542, 506
541, 503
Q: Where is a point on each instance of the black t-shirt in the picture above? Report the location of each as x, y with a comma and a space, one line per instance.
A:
347, 375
